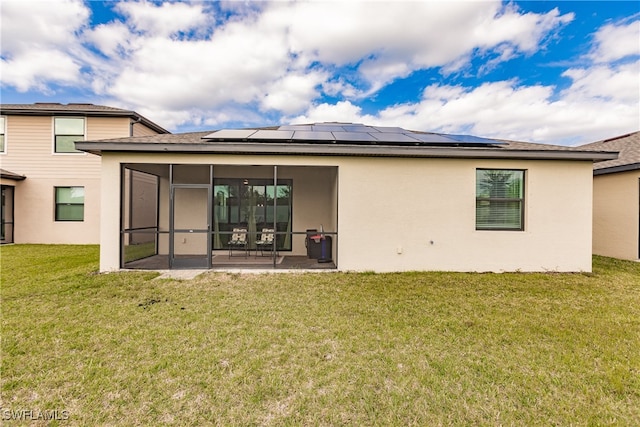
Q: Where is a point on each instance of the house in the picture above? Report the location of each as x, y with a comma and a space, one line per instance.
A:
50, 190
356, 197
616, 198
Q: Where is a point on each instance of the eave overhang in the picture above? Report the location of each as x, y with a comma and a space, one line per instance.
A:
289, 149
617, 169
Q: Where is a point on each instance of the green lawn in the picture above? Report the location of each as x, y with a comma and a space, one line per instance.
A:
317, 349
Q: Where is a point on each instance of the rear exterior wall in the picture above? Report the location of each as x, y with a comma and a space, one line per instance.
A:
404, 214
419, 214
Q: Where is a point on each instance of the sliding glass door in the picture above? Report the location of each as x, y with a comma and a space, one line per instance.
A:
251, 204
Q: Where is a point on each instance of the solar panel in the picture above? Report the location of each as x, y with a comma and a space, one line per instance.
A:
390, 129
327, 128
358, 128
303, 135
354, 137
433, 138
272, 134
295, 127
354, 133
474, 139
395, 137
231, 134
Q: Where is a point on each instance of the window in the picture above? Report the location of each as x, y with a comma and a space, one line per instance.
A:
2, 123
499, 199
69, 203
67, 130
249, 203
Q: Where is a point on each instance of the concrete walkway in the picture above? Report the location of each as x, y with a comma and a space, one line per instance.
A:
179, 274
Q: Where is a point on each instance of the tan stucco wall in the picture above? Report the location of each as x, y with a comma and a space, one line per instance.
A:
35, 212
616, 214
416, 214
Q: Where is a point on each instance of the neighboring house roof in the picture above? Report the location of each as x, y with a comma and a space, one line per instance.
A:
11, 175
628, 159
341, 139
57, 109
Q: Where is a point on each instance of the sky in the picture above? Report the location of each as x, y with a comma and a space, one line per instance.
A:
557, 72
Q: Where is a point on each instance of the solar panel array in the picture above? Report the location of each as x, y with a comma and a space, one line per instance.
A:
346, 133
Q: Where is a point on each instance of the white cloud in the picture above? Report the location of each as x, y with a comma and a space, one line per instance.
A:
110, 39
199, 119
502, 109
601, 101
292, 93
28, 25
39, 69
522, 31
390, 40
604, 81
342, 111
234, 67
207, 64
613, 42
40, 44
165, 19
263, 55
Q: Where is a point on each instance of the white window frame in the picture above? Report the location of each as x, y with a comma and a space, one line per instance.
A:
54, 134
521, 200
3, 150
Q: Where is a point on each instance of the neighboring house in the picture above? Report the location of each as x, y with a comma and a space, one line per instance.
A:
616, 198
50, 190
380, 198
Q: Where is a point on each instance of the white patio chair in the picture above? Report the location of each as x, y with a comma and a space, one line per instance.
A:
238, 241
266, 242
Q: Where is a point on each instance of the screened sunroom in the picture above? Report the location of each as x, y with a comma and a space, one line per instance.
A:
177, 216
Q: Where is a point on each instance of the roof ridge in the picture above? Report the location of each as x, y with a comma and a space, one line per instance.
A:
620, 137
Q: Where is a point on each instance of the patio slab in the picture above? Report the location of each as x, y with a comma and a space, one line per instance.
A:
235, 264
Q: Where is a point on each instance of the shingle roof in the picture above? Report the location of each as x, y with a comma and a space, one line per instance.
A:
58, 107
628, 147
204, 142
54, 108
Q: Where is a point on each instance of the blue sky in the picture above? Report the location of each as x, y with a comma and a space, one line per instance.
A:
561, 72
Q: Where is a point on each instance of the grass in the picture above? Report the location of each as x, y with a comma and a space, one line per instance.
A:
318, 349
139, 251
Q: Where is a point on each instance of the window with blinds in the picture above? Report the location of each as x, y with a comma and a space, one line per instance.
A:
499, 199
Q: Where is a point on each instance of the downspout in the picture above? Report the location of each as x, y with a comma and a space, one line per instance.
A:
133, 122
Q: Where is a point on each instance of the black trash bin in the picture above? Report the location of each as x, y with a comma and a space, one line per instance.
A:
325, 249
313, 245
